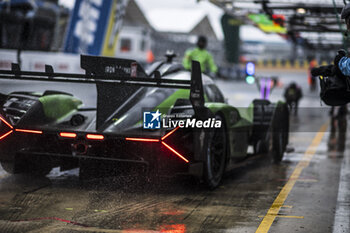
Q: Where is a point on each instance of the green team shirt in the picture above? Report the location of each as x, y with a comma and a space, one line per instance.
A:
202, 56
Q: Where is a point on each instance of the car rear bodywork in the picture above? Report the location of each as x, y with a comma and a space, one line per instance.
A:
54, 128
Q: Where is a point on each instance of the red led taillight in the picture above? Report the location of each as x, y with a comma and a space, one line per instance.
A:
6, 134
175, 152
142, 139
162, 141
29, 131
95, 136
6, 123
68, 135
17, 130
9, 126
170, 133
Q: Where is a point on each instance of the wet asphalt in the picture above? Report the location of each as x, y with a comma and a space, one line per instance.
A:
306, 192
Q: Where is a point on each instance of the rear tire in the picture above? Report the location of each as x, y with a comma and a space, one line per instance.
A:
277, 147
8, 167
261, 147
216, 156
280, 133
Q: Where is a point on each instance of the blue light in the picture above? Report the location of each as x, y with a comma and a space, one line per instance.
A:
250, 69
250, 79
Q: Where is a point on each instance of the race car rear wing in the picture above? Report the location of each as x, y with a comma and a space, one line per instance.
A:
110, 76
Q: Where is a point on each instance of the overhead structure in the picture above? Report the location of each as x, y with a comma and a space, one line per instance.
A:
310, 23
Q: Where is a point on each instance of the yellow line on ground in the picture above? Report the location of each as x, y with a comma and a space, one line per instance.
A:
282, 196
283, 216
287, 206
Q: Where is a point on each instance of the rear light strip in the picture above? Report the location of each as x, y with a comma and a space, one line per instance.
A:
6, 134
142, 139
29, 131
170, 133
10, 130
68, 135
88, 136
175, 152
8, 124
95, 136
162, 141
17, 130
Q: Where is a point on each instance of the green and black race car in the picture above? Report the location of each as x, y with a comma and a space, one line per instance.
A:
51, 129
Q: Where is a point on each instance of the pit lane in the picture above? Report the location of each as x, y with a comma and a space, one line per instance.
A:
61, 202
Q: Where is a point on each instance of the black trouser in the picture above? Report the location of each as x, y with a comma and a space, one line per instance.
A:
337, 135
293, 104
